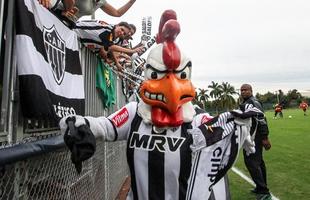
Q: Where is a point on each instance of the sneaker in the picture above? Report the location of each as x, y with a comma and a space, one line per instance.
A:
263, 197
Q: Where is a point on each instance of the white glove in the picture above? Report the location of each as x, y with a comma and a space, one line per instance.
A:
249, 145
63, 124
100, 127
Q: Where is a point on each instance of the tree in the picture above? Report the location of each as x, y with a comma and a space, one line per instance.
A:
215, 93
268, 97
226, 98
292, 95
292, 98
203, 97
195, 101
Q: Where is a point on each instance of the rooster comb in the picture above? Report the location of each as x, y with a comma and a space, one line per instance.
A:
169, 28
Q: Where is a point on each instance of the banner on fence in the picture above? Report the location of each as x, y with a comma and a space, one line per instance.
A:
105, 82
49, 69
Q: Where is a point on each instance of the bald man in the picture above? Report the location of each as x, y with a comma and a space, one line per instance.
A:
259, 130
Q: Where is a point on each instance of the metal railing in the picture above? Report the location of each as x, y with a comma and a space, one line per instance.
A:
52, 175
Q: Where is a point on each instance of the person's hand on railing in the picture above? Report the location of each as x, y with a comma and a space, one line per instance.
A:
119, 67
139, 49
103, 54
124, 55
69, 4
71, 14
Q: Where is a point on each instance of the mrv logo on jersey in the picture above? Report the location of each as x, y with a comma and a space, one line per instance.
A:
55, 48
150, 142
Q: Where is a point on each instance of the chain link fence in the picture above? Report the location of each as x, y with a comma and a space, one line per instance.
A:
52, 175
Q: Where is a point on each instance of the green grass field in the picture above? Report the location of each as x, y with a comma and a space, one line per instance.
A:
288, 161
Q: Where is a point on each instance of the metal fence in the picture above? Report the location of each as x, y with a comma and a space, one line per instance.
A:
52, 175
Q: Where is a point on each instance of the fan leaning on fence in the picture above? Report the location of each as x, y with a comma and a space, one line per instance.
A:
172, 152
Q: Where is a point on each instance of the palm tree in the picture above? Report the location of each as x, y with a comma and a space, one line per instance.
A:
203, 97
226, 98
215, 93
196, 101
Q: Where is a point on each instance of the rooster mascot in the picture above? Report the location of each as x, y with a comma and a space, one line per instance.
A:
172, 152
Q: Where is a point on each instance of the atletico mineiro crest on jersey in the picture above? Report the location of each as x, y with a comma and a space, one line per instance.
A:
55, 48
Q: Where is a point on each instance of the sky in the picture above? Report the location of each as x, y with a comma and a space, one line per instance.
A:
262, 42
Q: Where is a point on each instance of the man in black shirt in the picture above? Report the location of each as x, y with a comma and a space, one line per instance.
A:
259, 131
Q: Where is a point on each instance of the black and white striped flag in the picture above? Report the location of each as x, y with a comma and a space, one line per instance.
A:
49, 69
216, 145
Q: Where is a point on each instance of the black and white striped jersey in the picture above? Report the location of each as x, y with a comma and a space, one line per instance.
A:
175, 164
95, 35
259, 123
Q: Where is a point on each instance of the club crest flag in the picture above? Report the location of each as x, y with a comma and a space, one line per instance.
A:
50, 76
56, 52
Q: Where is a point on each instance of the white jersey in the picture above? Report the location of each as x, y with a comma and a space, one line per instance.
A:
164, 166
95, 35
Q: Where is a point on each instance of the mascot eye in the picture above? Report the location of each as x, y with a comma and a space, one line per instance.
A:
153, 75
184, 74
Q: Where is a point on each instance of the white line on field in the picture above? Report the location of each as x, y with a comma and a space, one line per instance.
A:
249, 180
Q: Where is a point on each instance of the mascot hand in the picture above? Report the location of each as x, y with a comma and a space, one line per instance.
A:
75, 120
249, 145
79, 139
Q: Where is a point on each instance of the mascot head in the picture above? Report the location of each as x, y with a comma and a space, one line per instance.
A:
167, 86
